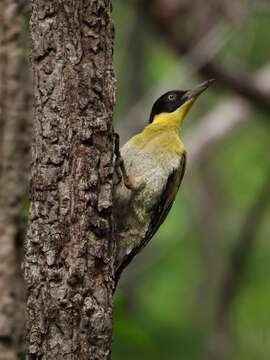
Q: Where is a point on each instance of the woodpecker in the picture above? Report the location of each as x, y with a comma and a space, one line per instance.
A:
152, 167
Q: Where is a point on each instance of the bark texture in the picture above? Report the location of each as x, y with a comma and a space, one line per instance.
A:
69, 248
13, 179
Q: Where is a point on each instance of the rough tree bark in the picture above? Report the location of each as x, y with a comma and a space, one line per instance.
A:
13, 179
69, 248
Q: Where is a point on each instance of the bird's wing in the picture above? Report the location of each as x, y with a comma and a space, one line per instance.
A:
164, 203
159, 212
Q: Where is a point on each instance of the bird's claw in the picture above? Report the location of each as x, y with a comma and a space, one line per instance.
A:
121, 172
131, 184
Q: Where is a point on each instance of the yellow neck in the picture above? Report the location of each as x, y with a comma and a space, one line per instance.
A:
174, 118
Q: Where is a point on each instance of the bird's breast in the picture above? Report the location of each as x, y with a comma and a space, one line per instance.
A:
152, 168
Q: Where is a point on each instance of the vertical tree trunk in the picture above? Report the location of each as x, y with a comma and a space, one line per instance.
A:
69, 249
13, 180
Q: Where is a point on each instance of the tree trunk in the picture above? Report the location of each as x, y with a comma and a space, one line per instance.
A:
13, 179
69, 249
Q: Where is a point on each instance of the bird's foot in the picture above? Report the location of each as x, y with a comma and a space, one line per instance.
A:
132, 184
120, 169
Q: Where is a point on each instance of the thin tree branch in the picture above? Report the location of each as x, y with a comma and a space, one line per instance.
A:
214, 126
135, 118
240, 82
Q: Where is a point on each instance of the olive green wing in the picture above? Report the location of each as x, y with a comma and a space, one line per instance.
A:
159, 212
166, 199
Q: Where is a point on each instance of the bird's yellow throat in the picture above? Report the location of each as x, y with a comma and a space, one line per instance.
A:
176, 117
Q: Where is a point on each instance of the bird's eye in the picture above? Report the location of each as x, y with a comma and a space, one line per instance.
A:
171, 97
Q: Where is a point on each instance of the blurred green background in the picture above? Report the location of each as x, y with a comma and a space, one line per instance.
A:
200, 290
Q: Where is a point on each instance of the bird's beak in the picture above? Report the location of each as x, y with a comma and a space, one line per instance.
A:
197, 90
190, 97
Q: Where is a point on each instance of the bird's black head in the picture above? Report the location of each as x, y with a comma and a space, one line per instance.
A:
173, 100
168, 102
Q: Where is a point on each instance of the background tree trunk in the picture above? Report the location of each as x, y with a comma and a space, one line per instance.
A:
14, 139
69, 249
